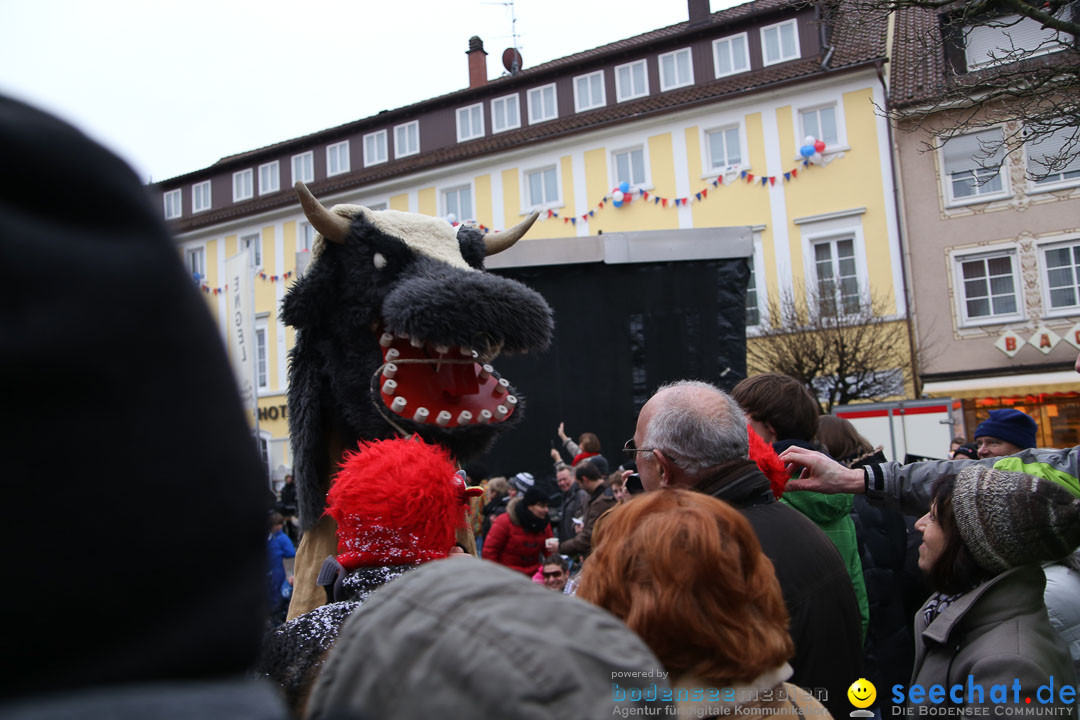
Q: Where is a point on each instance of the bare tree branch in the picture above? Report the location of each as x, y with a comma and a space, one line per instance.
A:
840, 351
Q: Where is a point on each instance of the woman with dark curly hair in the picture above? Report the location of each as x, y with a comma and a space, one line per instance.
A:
686, 573
986, 626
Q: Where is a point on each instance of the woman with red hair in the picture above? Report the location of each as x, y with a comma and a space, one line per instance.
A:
686, 573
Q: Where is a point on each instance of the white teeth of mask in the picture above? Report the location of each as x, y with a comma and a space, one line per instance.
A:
399, 404
389, 387
501, 412
484, 417
464, 418
421, 414
416, 342
386, 340
389, 371
443, 418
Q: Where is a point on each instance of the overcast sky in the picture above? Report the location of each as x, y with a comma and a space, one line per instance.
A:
172, 86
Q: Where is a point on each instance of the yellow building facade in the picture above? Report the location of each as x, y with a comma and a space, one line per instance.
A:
732, 160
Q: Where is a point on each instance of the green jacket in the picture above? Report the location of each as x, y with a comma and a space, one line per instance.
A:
832, 513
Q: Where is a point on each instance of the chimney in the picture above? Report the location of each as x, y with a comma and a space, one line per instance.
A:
478, 62
699, 12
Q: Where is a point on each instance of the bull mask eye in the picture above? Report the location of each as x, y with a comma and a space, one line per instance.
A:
380, 261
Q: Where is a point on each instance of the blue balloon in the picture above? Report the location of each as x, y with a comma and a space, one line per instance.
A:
624, 186
807, 151
617, 203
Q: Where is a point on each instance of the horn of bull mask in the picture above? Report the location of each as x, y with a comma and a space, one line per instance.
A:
495, 242
332, 227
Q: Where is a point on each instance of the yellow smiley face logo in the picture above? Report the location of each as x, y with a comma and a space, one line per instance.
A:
862, 693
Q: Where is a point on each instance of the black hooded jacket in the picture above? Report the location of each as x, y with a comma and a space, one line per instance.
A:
817, 589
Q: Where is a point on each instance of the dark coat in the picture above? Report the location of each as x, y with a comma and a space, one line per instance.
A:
510, 544
575, 503
600, 502
999, 634
817, 590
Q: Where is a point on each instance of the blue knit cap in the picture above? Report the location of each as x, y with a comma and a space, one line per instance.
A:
1009, 425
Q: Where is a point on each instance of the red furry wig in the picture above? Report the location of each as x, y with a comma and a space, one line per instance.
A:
768, 462
686, 573
396, 502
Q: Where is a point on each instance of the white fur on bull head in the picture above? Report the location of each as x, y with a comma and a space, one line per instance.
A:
426, 235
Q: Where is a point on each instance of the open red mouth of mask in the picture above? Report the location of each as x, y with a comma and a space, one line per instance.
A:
438, 385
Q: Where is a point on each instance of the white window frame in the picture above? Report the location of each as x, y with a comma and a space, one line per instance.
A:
341, 149
1070, 240
174, 203
305, 158
841, 143
207, 192
273, 173
674, 55
706, 149
302, 236
620, 96
549, 203
243, 185
957, 261
582, 104
371, 142
757, 262
765, 62
244, 243
1052, 41
613, 177
818, 230
537, 92
946, 180
262, 365
731, 54
190, 255
405, 128
465, 131
832, 239
1046, 185
445, 211
506, 101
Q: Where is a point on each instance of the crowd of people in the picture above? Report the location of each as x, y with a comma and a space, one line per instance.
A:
748, 557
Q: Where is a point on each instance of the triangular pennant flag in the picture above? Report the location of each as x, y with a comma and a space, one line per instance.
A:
772, 180
795, 172
715, 184
806, 163
656, 200
787, 176
705, 192
644, 195
763, 181
744, 174
573, 221
677, 201
698, 196
592, 213
749, 177
720, 180
664, 202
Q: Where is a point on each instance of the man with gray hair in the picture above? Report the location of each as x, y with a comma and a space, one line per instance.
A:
693, 435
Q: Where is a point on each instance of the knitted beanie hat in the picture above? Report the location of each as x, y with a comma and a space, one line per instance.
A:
522, 482
397, 502
1009, 425
1008, 519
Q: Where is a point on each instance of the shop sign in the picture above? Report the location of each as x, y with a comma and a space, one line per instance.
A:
1044, 339
1009, 343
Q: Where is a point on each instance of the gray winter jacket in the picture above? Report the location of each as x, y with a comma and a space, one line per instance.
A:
999, 634
1063, 604
907, 487
466, 638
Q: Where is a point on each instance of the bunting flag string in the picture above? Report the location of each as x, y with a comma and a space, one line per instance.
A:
265, 277
623, 194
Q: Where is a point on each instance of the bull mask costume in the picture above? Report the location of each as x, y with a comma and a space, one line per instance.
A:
397, 325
